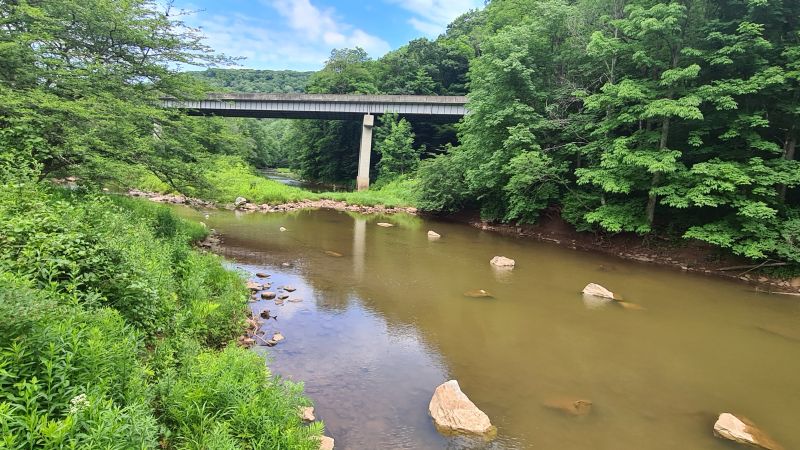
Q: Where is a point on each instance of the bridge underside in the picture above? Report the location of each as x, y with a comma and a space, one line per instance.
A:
328, 107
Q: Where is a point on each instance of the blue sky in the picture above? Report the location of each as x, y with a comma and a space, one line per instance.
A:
299, 34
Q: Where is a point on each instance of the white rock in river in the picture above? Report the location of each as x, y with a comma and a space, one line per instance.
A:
277, 337
239, 201
598, 291
743, 431
453, 412
433, 235
502, 261
282, 228
384, 224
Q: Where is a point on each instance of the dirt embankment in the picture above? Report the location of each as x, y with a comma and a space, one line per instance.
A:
689, 256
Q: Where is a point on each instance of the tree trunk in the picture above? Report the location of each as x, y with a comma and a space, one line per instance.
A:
653, 198
788, 154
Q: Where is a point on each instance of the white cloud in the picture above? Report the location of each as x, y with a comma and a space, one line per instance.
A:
431, 17
299, 36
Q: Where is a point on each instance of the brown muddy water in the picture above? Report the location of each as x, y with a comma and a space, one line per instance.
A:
385, 323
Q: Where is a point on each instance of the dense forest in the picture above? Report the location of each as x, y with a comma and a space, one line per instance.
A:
677, 119
250, 80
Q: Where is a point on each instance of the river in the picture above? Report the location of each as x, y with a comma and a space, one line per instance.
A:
385, 323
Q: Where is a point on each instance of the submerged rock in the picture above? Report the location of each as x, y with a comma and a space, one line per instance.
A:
267, 295
433, 235
384, 224
630, 306
502, 261
570, 406
742, 431
478, 293
332, 253
453, 412
598, 291
307, 413
277, 337
253, 286
295, 300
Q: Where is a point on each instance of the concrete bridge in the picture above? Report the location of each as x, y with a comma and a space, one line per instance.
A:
328, 106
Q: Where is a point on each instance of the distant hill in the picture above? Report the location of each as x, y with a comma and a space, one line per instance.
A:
250, 80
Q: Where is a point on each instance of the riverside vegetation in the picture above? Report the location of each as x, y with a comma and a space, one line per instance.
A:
115, 331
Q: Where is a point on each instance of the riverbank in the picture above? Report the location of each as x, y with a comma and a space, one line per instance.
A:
248, 206
687, 256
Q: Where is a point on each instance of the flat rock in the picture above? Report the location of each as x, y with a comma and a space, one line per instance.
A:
306, 413
502, 261
332, 253
384, 224
742, 431
570, 406
283, 296
295, 300
262, 275
598, 291
453, 412
795, 282
267, 295
325, 443
478, 293
289, 288
433, 235
277, 337
253, 286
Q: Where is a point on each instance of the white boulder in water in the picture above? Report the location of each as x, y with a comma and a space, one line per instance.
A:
453, 412
433, 235
598, 291
502, 261
742, 431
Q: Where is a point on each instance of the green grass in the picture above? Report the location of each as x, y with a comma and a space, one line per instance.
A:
229, 177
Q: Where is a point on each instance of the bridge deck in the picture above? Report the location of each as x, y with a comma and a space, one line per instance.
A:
322, 106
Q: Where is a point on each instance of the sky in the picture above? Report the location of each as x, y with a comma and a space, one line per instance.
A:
299, 34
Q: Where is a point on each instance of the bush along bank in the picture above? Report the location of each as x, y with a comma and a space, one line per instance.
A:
116, 333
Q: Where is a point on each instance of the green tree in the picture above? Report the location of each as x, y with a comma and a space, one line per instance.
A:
394, 142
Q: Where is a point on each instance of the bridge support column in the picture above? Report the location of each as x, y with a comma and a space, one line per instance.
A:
362, 180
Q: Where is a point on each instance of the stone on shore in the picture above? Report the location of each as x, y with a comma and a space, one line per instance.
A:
742, 431
325, 443
502, 261
384, 224
239, 201
433, 235
598, 291
453, 412
268, 295
307, 413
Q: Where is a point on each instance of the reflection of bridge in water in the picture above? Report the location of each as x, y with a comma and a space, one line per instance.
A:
328, 106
